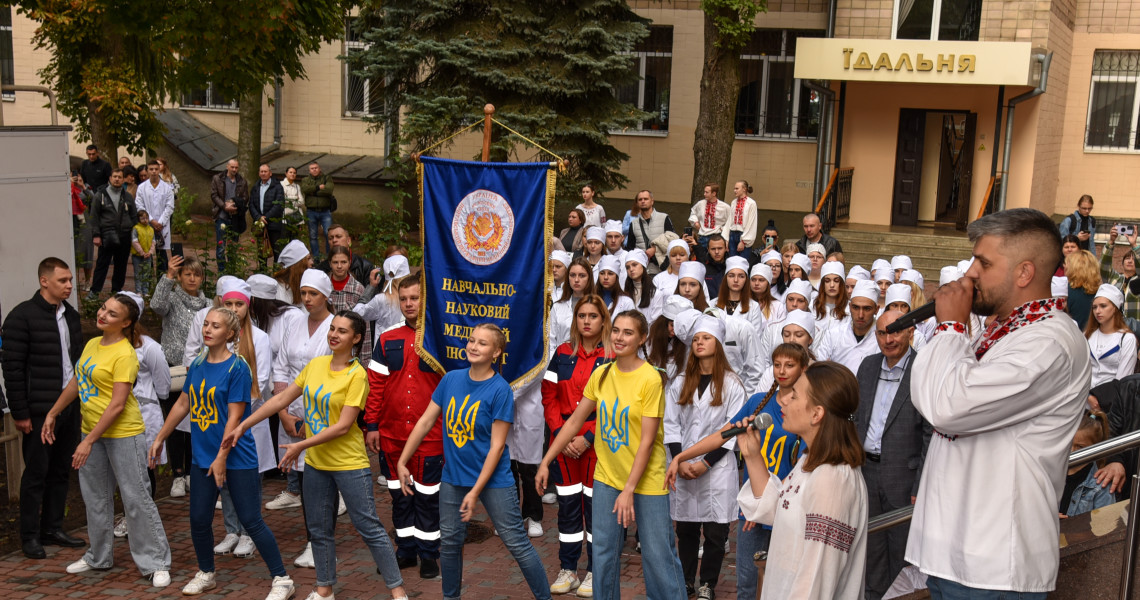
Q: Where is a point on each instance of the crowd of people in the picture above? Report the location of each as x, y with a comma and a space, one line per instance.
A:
666, 351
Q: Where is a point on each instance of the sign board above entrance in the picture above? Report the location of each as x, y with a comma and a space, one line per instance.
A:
916, 61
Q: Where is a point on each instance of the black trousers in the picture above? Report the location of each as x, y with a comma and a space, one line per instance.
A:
47, 469
277, 241
121, 255
885, 549
689, 541
530, 501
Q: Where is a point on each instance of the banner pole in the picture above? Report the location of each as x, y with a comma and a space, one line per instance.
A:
488, 112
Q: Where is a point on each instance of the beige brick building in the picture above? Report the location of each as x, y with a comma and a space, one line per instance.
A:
922, 144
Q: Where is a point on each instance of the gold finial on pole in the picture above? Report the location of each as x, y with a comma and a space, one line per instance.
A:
488, 113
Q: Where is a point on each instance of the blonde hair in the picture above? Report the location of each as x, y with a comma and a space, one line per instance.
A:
917, 296
1082, 270
243, 340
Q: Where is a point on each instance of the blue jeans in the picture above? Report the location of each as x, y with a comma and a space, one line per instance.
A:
748, 543
703, 240
944, 589
245, 490
502, 505
355, 486
660, 565
733, 242
318, 219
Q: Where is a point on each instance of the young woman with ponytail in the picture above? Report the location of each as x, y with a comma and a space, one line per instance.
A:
781, 450
216, 395
113, 450
335, 389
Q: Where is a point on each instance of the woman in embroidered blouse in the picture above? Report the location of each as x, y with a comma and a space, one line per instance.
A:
818, 513
1111, 344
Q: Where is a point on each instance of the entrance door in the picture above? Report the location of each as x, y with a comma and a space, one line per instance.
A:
908, 167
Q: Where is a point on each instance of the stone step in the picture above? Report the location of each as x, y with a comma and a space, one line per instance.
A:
928, 251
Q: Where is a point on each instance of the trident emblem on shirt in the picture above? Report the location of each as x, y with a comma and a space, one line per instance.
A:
461, 421
614, 425
317, 409
86, 386
203, 411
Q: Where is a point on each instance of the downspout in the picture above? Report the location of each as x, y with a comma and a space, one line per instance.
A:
823, 138
1009, 113
276, 145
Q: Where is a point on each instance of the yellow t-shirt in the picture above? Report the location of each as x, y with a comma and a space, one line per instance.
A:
326, 393
622, 401
99, 369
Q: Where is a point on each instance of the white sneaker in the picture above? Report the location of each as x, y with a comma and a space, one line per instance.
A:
282, 589
341, 508
202, 581
382, 480
178, 488
227, 544
120, 527
284, 500
244, 548
550, 498
313, 595
218, 504
79, 566
305, 560
160, 579
586, 590
566, 582
533, 528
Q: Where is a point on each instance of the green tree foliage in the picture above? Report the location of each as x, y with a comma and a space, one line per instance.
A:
549, 67
728, 27
106, 68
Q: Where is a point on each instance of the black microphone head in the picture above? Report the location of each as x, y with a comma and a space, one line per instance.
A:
762, 422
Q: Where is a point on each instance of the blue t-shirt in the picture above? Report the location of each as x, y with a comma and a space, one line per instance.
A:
212, 387
779, 445
469, 409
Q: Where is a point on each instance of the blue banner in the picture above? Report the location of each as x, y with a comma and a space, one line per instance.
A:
486, 231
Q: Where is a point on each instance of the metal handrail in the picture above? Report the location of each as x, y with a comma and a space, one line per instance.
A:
1083, 456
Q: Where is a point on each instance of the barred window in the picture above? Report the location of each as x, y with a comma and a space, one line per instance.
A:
7, 62
654, 65
209, 98
937, 20
361, 97
1113, 101
772, 102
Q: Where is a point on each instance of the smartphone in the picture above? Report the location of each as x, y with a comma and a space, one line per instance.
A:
688, 231
176, 249
769, 240
1126, 229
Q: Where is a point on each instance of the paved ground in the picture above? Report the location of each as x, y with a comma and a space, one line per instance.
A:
489, 572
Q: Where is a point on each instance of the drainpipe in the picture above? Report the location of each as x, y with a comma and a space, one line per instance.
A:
823, 142
1013, 102
276, 145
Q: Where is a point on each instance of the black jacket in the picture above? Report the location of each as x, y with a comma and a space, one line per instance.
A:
32, 357
114, 227
714, 271
360, 268
1120, 400
274, 204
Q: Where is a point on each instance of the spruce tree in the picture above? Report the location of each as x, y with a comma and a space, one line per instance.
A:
549, 67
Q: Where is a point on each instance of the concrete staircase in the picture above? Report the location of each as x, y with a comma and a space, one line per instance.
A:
929, 249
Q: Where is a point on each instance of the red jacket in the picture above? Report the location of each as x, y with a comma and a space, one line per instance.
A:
563, 383
400, 385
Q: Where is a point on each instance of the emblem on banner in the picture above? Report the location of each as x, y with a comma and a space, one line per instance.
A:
482, 227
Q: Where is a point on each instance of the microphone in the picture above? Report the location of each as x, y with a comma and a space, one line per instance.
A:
912, 318
760, 423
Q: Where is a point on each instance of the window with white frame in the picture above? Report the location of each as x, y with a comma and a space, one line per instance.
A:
654, 65
361, 97
208, 97
7, 62
772, 102
937, 19
1113, 101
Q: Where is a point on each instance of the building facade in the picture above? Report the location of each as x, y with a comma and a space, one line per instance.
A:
924, 143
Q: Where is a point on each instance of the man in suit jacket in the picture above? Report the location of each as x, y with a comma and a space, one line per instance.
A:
267, 206
895, 438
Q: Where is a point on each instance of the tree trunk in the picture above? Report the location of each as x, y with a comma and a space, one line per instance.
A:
100, 135
249, 134
720, 86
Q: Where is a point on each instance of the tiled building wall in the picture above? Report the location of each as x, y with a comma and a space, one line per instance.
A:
1052, 108
866, 19
1108, 16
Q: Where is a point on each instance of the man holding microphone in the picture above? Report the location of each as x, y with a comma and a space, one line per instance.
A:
1004, 411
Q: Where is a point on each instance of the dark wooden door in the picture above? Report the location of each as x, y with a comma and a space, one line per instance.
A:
908, 167
966, 172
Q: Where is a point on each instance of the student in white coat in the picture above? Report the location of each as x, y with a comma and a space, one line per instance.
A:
735, 294
690, 285
760, 281
291, 263
559, 262
307, 340
855, 274
1112, 345
830, 306
608, 285
797, 298
381, 307
849, 342
579, 283
697, 403
818, 513
639, 283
